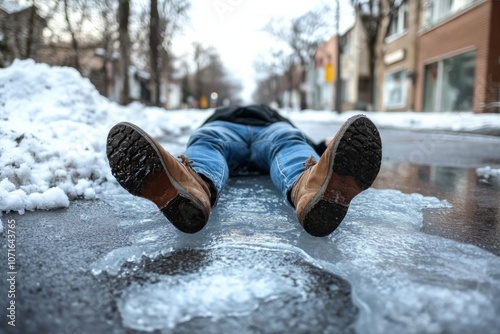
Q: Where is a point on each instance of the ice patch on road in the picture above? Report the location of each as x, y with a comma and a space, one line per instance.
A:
216, 291
403, 280
177, 299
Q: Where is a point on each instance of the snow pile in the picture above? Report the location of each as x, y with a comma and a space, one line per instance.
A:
487, 172
487, 124
53, 128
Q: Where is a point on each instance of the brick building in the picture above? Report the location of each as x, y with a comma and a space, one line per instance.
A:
396, 68
458, 56
321, 77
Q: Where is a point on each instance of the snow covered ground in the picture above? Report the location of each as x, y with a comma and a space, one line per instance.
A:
54, 123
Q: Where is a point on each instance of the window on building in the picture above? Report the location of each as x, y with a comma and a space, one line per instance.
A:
399, 21
395, 90
439, 10
449, 83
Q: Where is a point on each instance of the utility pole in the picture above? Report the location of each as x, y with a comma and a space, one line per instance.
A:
338, 78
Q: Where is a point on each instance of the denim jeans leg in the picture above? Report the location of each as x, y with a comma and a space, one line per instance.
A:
216, 148
282, 150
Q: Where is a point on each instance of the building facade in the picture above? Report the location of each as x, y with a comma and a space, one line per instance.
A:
437, 55
396, 68
321, 77
21, 32
458, 56
355, 74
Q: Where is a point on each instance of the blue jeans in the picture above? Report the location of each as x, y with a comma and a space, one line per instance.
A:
220, 149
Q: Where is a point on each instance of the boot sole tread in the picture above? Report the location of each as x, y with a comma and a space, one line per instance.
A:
315, 223
359, 153
133, 159
357, 157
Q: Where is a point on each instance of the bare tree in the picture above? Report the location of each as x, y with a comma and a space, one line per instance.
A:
173, 15
277, 76
303, 36
375, 16
123, 19
154, 44
201, 61
211, 76
108, 30
68, 36
75, 30
47, 10
166, 18
31, 28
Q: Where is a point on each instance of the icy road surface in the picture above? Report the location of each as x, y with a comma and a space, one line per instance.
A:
254, 268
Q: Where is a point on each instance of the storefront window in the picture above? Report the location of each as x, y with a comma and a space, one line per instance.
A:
449, 83
395, 90
430, 86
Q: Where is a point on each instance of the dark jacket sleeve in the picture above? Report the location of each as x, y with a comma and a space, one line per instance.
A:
320, 147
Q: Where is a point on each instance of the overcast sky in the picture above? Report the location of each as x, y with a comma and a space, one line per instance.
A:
234, 28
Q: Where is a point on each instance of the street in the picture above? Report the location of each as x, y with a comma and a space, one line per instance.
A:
103, 266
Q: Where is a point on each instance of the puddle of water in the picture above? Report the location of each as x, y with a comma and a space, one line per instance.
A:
475, 214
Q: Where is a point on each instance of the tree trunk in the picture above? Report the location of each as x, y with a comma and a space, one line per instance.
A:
74, 42
123, 18
303, 81
31, 31
154, 41
372, 53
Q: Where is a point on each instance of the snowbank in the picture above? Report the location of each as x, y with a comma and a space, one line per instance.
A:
486, 124
53, 128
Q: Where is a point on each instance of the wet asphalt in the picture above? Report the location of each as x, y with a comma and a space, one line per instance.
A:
57, 293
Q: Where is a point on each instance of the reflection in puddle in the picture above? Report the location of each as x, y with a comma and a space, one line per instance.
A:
475, 216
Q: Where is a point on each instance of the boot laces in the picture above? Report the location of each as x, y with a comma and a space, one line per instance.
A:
310, 162
185, 160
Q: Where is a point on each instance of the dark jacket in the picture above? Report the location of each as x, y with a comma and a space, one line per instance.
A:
258, 115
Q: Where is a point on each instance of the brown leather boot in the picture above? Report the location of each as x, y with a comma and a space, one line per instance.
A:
145, 169
349, 165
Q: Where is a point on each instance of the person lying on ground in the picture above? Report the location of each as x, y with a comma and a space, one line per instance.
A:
239, 140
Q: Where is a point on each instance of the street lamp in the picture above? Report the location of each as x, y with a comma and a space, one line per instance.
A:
213, 99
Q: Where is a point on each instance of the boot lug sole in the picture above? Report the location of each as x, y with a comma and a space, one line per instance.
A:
350, 172
141, 176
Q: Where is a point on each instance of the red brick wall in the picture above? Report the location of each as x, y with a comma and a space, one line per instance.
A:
469, 30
